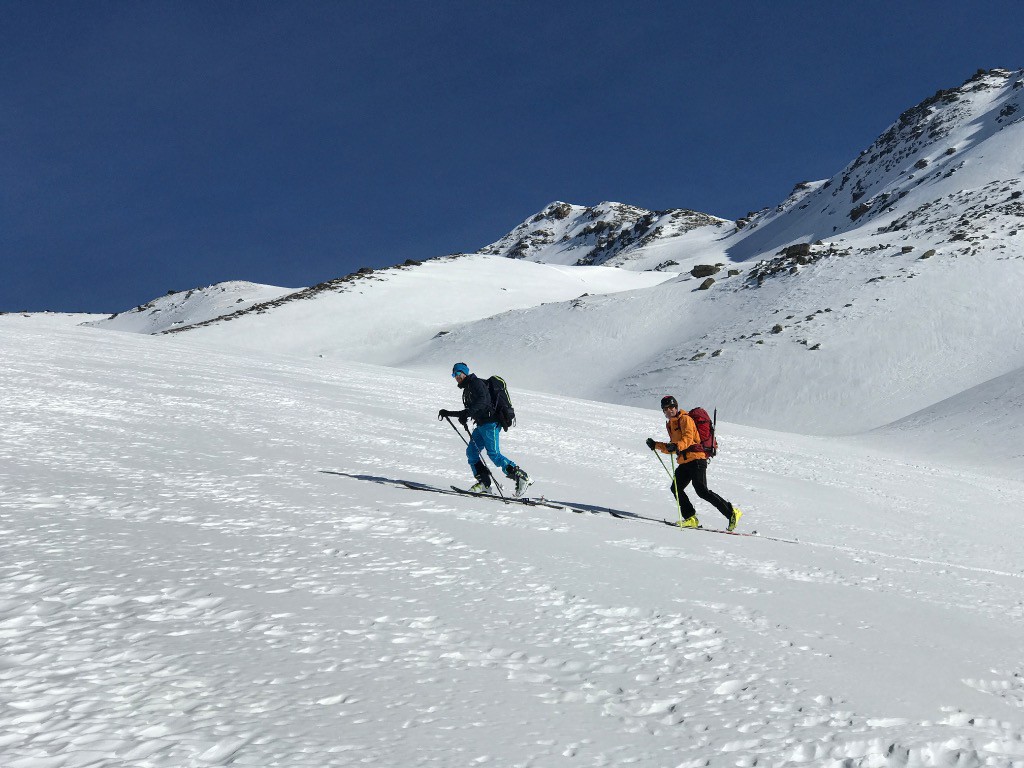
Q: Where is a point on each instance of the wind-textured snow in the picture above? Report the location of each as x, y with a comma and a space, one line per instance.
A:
204, 563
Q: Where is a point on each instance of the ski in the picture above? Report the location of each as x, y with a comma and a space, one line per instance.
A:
579, 508
508, 499
456, 491
752, 534
528, 501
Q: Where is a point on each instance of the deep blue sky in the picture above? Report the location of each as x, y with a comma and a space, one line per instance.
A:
148, 146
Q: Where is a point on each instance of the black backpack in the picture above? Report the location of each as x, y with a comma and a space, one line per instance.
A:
504, 413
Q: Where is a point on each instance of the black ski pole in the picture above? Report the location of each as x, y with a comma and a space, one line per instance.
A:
448, 419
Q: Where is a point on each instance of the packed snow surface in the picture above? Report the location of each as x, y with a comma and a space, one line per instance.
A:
205, 562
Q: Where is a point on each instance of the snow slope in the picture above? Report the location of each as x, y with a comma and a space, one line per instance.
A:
40, 320
195, 306
858, 301
912, 297
983, 427
848, 344
204, 565
387, 315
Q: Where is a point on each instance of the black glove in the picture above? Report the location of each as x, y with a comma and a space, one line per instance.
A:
462, 421
443, 414
671, 447
651, 444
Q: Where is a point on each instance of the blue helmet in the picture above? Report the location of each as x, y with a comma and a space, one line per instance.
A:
460, 368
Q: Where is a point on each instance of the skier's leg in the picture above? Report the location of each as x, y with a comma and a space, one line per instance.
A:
682, 480
700, 486
512, 470
479, 469
491, 434
473, 450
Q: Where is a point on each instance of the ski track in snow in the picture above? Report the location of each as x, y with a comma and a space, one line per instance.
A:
182, 585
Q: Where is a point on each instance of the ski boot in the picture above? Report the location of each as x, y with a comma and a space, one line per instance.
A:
483, 479
522, 479
734, 518
690, 522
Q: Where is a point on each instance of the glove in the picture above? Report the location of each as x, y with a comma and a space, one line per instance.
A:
671, 447
443, 414
463, 420
651, 444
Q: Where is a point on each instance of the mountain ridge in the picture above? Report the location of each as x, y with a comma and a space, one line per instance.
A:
818, 315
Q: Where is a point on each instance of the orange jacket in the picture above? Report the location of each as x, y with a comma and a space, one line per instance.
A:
683, 432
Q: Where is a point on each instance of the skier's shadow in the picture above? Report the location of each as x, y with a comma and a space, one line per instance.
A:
383, 480
592, 508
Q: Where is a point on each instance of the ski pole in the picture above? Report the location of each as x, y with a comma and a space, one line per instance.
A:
448, 419
664, 465
675, 485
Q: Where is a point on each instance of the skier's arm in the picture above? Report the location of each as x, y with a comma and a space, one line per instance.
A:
443, 414
663, 447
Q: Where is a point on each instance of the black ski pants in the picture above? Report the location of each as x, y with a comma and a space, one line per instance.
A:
696, 472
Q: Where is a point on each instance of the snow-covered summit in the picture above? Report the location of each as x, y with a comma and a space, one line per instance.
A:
612, 234
949, 168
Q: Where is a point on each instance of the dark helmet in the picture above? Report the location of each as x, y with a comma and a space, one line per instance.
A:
668, 402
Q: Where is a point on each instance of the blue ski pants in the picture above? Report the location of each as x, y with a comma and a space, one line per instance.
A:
485, 438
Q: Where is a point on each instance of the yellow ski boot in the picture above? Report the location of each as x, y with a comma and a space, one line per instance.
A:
734, 518
690, 522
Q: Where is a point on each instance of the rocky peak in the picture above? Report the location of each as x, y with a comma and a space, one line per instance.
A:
587, 235
932, 152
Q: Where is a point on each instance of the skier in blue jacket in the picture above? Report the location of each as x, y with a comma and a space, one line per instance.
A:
477, 405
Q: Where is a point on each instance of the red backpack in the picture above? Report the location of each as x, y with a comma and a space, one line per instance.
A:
706, 430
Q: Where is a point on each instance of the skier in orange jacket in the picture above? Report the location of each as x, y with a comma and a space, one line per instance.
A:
691, 465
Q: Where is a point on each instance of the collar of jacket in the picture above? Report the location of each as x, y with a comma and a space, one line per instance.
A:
678, 418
